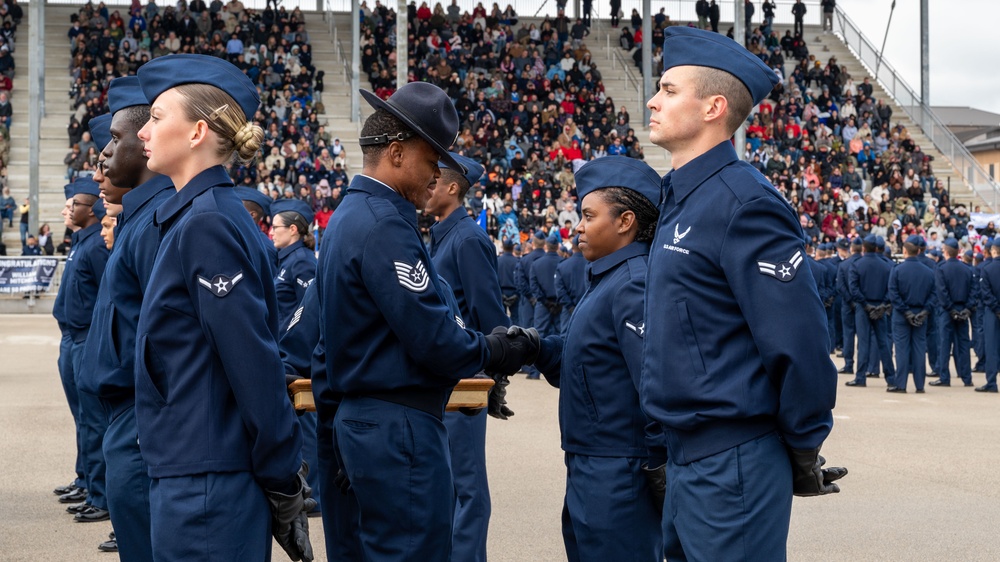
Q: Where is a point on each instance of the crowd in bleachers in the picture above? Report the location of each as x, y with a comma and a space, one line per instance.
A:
10, 16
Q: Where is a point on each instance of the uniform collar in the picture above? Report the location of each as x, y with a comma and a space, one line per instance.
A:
441, 229
377, 188
138, 197
685, 179
85, 233
215, 176
607, 263
289, 249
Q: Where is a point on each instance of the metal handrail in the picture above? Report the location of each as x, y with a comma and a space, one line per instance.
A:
961, 160
630, 78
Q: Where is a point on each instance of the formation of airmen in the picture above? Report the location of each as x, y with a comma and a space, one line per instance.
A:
935, 307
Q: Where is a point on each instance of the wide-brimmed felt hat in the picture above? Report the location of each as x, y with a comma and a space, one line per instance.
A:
427, 110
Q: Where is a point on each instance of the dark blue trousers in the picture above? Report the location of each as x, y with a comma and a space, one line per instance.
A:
849, 331
933, 340
978, 339
991, 338
340, 510
545, 322
734, 505
307, 422
398, 463
831, 326
608, 513
872, 336
93, 426
514, 312
68, 379
214, 517
467, 445
954, 335
527, 313
838, 324
911, 351
128, 489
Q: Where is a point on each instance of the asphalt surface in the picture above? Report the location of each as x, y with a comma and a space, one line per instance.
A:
922, 482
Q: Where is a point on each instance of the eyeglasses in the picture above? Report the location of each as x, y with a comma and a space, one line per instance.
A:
75, 203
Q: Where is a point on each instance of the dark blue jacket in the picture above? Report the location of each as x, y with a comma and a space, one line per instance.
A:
911, 287
116, 316
507, 271
571, 280
543, 276
210, 386
597, 369
953, 280
825, 281
387, 330
466, 258
844, 277
724, 356
299, 338
296, 271
85, 264
990, 292
869, 280
523, 272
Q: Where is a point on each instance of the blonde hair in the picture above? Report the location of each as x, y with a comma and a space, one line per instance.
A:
238, 138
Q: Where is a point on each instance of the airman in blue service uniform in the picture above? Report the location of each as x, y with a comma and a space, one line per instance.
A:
522, 274
542, 279
216, 428
291, 226
610, 511
125, 181
85, 269
834, 323
394, 350
979, 314
911, 292
826, 282
869, 286
259, 207
507, 272
990, 299
847, 308
465, 257
571, 284
726, 370
956, 297
933, 321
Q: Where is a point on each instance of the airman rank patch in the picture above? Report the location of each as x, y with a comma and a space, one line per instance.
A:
639, 329
783, 271
220, 285
412, 277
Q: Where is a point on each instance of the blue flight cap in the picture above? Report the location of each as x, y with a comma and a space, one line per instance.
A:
879, 242
553, 239
125, 92
687, 46
844, 243
255, 196
294, 205
923, 242
423, 107
618, 171
988, 244
99, 209
871, 239
68, 190
100, 130
576, 240
951, 243
979, 256
856, 241
540, 234
807, 240
85, 185
968, 254
163, 73
472, 170
508, 242
517, 247
914, 239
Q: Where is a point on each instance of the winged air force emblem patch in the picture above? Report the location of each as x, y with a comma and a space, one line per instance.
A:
678, 235
220, 285
639, 329
412, 277
783, 271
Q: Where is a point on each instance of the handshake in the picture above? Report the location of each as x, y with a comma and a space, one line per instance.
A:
509, 349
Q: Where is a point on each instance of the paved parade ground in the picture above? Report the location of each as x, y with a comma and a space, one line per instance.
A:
922, 482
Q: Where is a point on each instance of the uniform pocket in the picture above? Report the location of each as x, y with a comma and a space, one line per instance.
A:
690, 339
113, 341
151, 367
583, 393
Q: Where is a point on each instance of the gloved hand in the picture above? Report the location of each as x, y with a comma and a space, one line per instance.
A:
553, 306
497, 407
657, 480
289, 524
828, 302
955, 315
921, 317
809, 478
511, 348
874, 312
341, 481
964, 314
511, 300
911, 318
533, 301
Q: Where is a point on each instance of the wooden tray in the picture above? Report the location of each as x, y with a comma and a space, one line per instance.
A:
469, 393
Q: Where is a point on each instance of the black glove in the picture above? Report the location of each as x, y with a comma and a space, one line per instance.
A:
828, 302
809, 478
921, 317
657, 480
498, 398
511, 348
342, 482
873, 312
911, 318
964, 314
533, 301
511, 301
955, 315
553, 306
289, 524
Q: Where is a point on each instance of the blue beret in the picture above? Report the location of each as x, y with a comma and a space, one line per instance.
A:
163, 73
99, 209
951, 243
618, 171
251, 194
472, 170
294, 205
125, 92
85, 185
553, 238
871, 239
844, 243
100, 130
856, 241
914, 239
879, 242
687, 46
